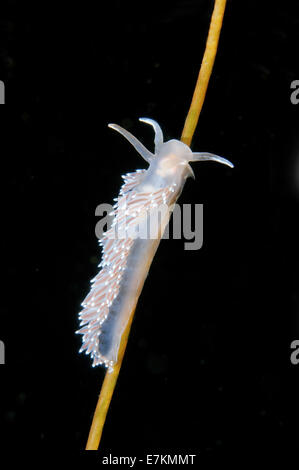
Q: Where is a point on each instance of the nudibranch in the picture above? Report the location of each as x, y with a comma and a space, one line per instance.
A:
126, 259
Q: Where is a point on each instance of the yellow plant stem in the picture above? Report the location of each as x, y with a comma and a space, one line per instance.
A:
204, 72
105, 397
189, 128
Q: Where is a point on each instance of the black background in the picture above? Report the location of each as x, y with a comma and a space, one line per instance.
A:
207, 368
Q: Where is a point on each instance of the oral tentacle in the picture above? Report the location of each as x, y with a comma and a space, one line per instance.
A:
205, 156
158, 132
141, 149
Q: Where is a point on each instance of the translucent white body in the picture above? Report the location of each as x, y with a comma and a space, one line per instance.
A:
126, 259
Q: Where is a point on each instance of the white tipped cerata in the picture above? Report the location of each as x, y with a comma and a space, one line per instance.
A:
128, 247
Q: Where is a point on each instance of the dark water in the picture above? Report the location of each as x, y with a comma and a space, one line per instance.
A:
207, 369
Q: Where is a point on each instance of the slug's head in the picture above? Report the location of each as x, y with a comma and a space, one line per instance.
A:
169, 154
